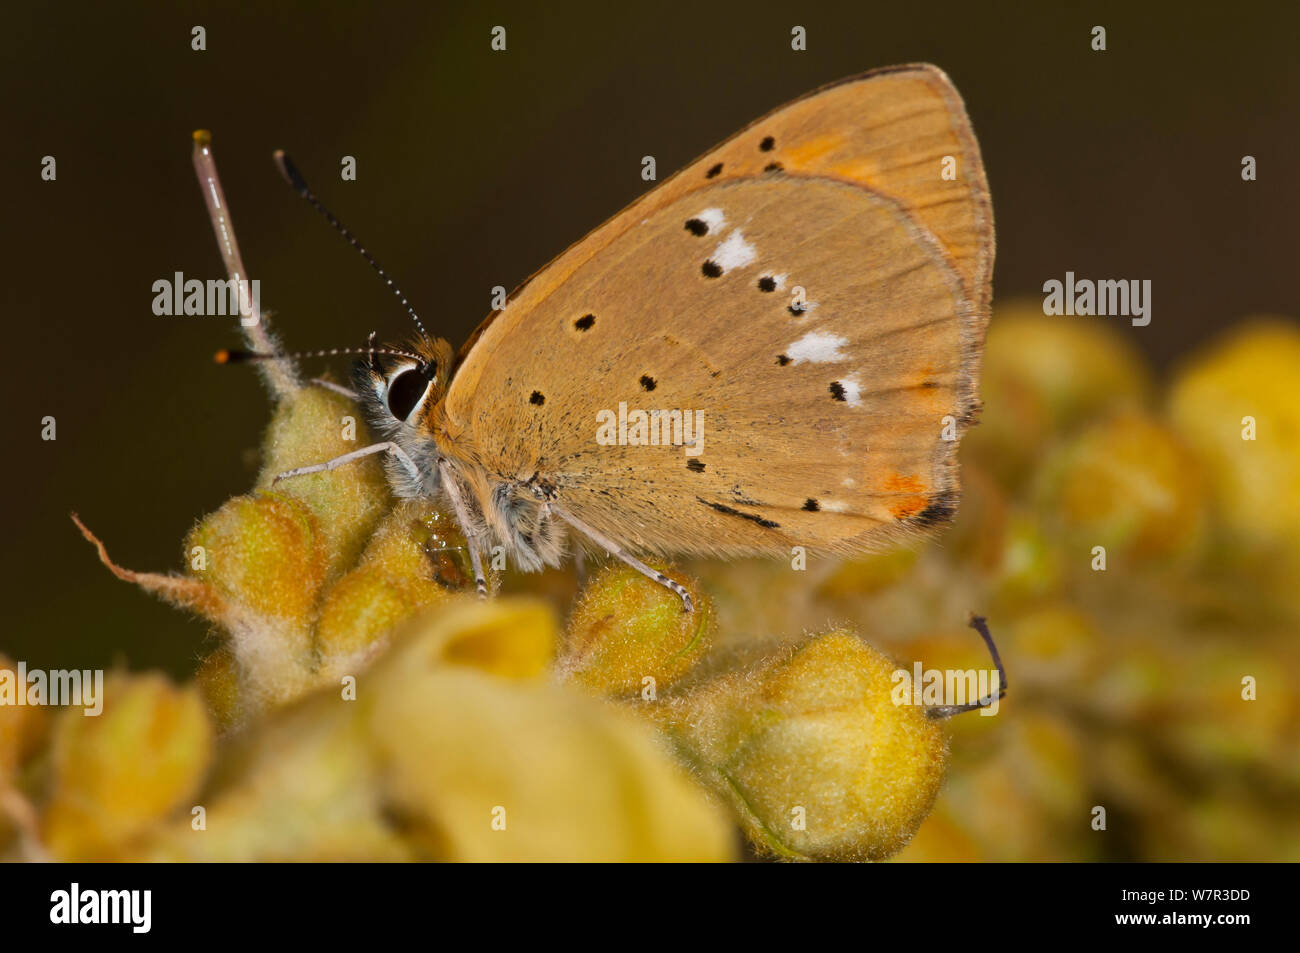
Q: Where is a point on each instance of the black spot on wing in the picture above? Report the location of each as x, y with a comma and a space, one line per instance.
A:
837, 391
715, 170
585, 322
648, 382
537, 398
752, 517
811, 505
943, 507
767, 144
696, 227
711, 269
695, 466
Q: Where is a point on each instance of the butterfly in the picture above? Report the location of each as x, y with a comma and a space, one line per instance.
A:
810, 298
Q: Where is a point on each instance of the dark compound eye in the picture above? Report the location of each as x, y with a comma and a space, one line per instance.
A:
405, 391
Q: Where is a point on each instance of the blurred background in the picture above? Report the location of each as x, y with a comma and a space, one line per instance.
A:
475, 167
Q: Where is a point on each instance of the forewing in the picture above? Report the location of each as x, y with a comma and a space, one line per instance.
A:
893, 130
831, 426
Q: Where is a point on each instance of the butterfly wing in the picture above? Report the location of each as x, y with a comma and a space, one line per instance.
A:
814, 292
885, 130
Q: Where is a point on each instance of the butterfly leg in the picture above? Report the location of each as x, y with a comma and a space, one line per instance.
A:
471, 539
347, 458
614, 549
580, 565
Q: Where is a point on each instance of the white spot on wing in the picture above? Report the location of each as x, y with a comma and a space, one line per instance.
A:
817, 347
714, 218
852, 391
734, 252
833, 506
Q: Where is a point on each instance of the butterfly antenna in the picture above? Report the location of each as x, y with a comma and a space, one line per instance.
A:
980, 625
242, 357
299, 185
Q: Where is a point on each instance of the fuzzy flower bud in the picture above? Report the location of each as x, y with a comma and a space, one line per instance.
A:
416, 558
1042, 377
1239, 408
811, 751
1129, 485
629, 635
117, 774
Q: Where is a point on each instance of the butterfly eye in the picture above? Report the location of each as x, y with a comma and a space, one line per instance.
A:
405, 391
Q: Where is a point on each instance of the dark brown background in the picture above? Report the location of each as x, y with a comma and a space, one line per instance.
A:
476, 167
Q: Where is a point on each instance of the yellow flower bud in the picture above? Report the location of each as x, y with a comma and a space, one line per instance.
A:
218, 680
455, 745
415, 559
1031, 567
811, 751
297, 785
485, 759
22, 728
978, 534
314, 426
263, 554
628, 629
118, 773
1056, 646
1239, 408
1023, 797
1129, 485
873, 572
1043, 375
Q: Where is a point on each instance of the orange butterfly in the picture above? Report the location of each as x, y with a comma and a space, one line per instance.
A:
778, 346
